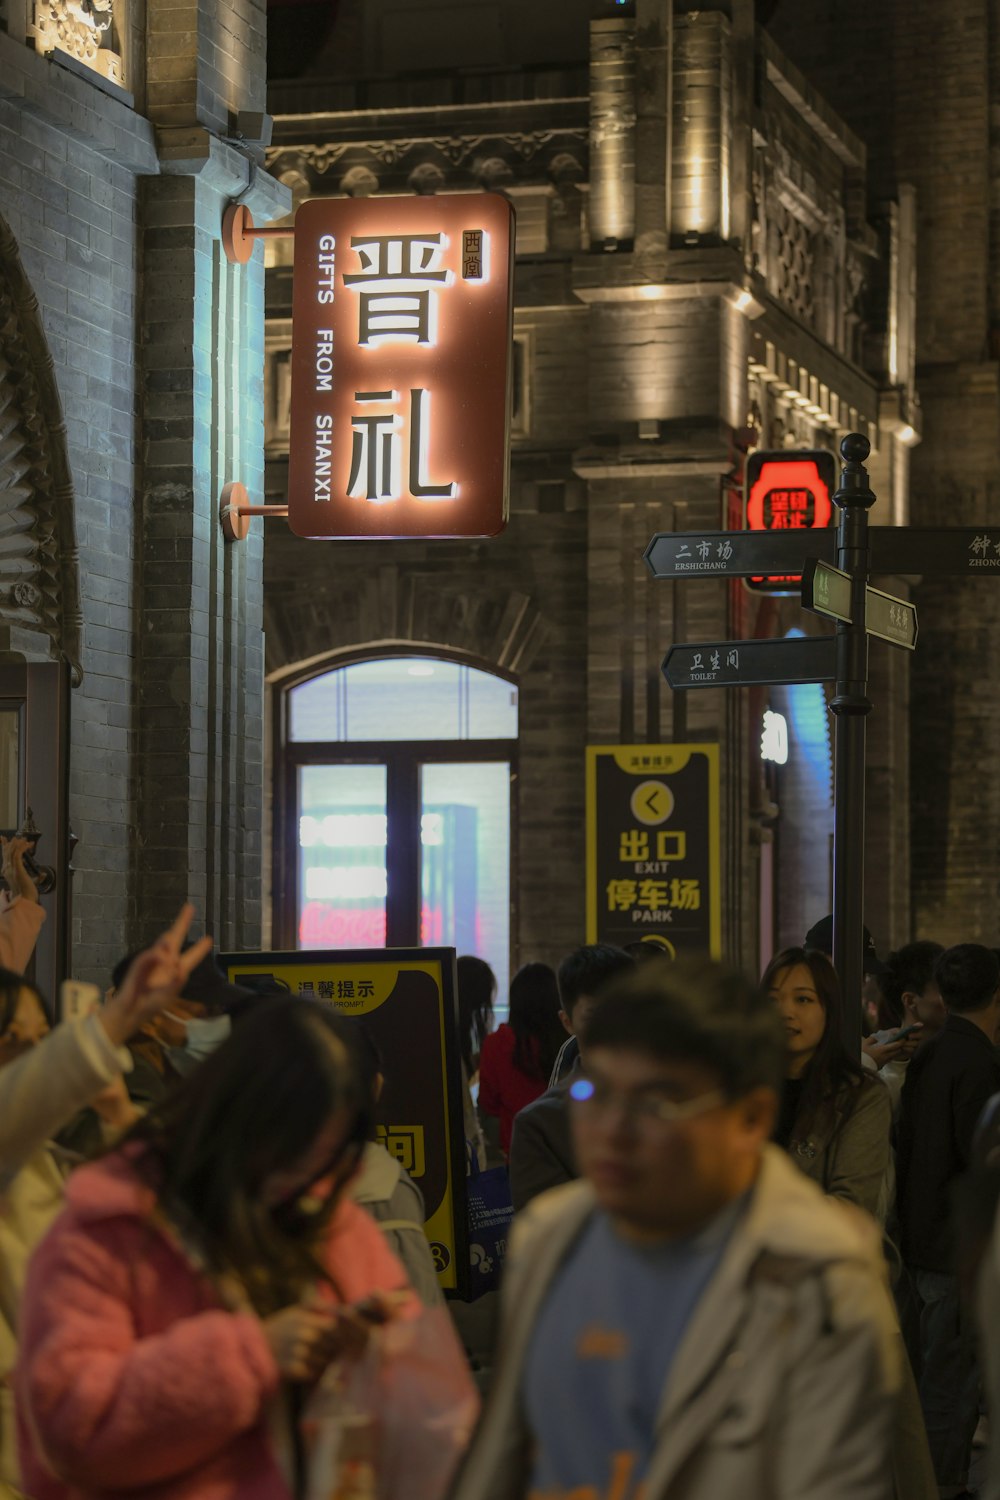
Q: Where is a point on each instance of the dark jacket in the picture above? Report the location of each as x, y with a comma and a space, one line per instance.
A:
541, 1149
947, 1087
847, 1149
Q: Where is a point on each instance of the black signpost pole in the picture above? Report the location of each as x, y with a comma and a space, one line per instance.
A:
843, 594
851, 705
678, 707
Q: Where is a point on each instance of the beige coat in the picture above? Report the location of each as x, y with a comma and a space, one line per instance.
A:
784, 1385
39, 1093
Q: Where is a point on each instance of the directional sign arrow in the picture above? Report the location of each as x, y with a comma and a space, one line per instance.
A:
891, 619
746, 663
970, 550
826, 591
737, 554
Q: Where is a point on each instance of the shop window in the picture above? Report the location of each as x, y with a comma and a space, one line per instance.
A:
393, 808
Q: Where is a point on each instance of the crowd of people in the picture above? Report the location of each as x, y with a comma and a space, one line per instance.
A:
746, 1259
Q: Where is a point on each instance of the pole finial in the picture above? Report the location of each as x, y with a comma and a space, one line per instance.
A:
854, 488
855, 448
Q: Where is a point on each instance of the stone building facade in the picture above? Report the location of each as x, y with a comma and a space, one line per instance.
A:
920, 83
724, 219
701, 269
131, 357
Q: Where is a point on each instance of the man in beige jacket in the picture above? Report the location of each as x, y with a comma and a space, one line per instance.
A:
693, 1320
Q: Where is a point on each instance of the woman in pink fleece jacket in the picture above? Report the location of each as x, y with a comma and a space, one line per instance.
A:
202, 1276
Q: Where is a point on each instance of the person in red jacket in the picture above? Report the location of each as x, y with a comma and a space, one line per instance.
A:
203, 1276
518, 1057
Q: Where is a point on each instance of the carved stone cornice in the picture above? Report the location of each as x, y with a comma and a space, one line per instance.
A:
78, 28
39, 562
459, 149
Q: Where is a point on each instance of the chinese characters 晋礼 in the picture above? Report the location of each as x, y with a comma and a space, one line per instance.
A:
398, 288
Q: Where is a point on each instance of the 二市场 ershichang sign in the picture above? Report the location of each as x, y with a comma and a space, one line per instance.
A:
401, 348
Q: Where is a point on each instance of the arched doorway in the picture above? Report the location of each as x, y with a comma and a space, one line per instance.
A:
40, 608
393, 806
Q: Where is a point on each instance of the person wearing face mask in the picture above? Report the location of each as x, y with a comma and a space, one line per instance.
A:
173, 1045
203, 1276
46, 1075
203, 1035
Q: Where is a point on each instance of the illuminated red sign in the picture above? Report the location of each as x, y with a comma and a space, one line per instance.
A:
788, 491
401, 345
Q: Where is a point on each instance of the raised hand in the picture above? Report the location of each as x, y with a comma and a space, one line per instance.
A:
16, 876
154, 980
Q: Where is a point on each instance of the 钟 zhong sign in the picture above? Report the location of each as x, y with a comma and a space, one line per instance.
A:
401, 346
788, 491
653, 850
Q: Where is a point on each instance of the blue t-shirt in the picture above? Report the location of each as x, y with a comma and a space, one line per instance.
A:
602, 1351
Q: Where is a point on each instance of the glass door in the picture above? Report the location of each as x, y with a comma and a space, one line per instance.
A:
393, 808
465, 861
342, 866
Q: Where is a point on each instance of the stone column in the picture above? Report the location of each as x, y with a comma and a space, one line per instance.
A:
200, 667
667, 390
701, 128
612, 132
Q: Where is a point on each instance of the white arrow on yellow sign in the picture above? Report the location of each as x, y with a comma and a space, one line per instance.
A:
652, 803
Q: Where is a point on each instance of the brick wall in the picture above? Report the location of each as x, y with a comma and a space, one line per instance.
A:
158, 350
914, 79
520, 602
68, 163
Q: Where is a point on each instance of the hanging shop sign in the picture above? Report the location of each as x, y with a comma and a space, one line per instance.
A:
406, 1000
653, 851
401, 366
788, 492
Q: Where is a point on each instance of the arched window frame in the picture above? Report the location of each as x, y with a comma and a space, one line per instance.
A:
403, 760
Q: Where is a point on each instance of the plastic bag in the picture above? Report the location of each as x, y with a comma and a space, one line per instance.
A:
490, 1214
393, 1424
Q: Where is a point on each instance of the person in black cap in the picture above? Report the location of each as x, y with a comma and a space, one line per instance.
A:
820, 937
174, 1043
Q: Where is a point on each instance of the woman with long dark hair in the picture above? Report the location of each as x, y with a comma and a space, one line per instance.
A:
834, 1122
477, 992
205, 1271
835, 1118
519, 1056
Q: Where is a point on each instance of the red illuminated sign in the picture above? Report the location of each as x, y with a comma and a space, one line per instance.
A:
785, 492
401, 356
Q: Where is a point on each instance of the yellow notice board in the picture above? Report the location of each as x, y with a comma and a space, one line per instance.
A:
653, 846
406, 999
